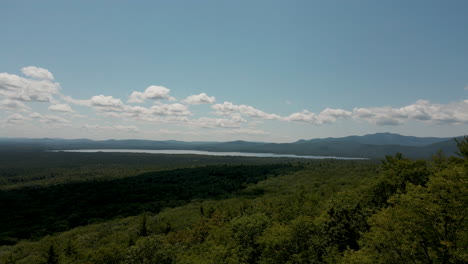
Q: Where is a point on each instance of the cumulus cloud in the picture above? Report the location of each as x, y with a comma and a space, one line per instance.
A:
71, 100
39, 88
207, 122
153, 92
106, 102
383, 116
38, 73
136, 97
170, 110
327, 116
36, 84
229, 109
61, 108
202, 98
48, 119
99, 102
421, 110
14, 106
15, 119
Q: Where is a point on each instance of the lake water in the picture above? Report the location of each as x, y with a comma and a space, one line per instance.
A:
211, 153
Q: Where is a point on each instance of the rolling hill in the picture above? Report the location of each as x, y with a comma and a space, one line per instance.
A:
368, 146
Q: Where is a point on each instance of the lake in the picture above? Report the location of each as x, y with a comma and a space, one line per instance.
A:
211, 153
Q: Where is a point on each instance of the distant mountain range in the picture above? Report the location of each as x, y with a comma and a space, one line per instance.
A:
369, 146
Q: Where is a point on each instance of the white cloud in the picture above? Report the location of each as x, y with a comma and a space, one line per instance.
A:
120, 128
170, 110
38, 73
99, 102
327, 116
61, 108
132, 129
202, 98
228, 109
114, 107
207, 122
71, 100
382, 116
35, 115
421, 110
37, 85
455, 112
48, 119
106, 101
51, 119
247, 132
15, 119
304, 116
24, 89
136, 97
153, 92
14, 106
137, 110
157, 92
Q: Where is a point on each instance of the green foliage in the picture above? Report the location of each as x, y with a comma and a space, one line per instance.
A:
403, 211
344, 226
246, 231
52, 256
112, 254
462, 146
41, 211
399, 171
294, 242
143, 229
20, 169
148, 250
424, 225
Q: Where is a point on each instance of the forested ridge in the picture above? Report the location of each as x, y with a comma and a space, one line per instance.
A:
328, 211
368, 146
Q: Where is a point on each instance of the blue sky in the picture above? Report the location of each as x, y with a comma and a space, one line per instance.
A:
256, 70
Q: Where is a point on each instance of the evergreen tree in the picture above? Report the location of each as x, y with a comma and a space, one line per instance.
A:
143, 229
52, 256
462, 147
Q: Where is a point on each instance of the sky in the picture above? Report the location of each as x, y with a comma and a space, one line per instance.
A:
271, 71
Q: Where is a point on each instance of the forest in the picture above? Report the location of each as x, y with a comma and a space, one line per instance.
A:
144, 208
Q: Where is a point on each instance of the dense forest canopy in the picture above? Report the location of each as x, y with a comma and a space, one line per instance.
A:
329, 211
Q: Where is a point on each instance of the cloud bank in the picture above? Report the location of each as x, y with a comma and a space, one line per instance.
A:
22, 95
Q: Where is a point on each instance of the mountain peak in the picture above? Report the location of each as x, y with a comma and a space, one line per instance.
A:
381, 138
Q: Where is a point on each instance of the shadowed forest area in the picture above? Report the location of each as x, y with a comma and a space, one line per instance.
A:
150, 209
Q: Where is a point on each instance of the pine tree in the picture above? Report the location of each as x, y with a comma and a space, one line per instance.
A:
52, 256
143, 229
